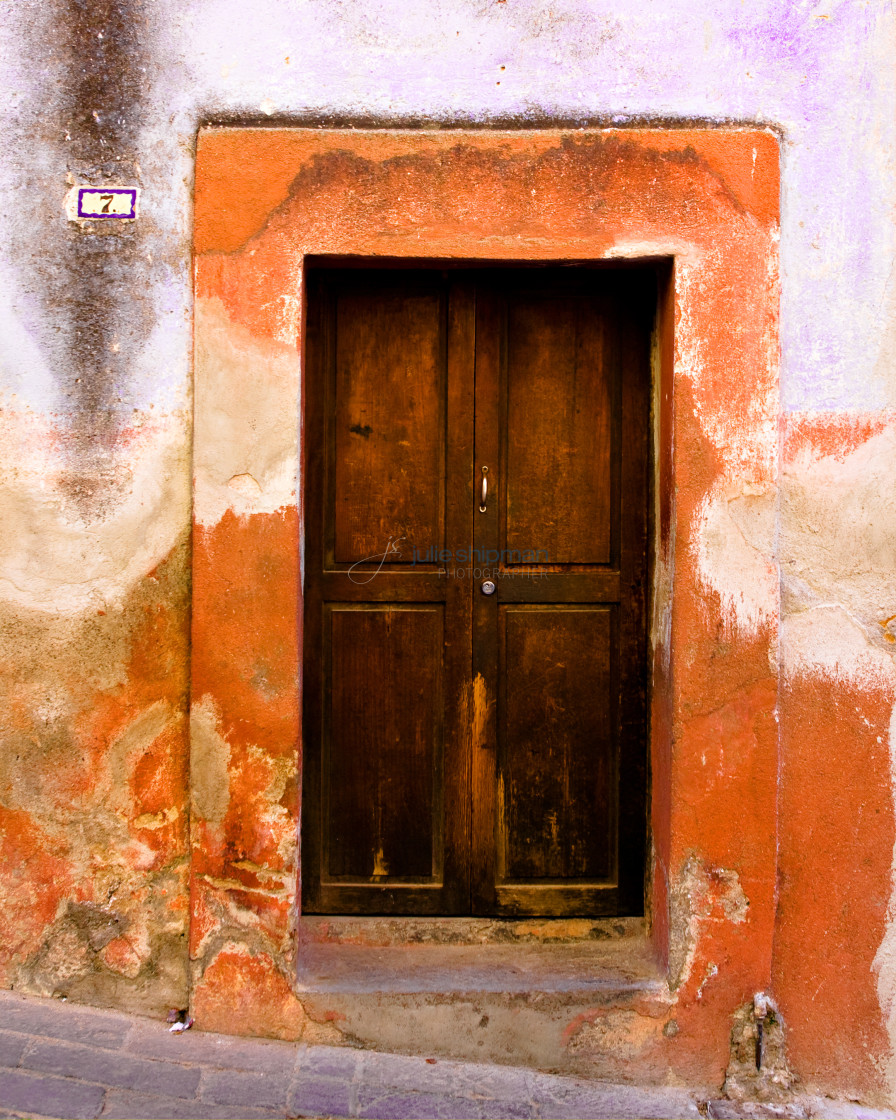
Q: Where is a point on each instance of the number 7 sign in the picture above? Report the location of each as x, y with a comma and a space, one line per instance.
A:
107, 202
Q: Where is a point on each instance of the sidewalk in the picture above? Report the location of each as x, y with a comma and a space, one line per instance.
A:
61, 1060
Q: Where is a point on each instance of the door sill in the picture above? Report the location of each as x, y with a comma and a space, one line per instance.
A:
339, 954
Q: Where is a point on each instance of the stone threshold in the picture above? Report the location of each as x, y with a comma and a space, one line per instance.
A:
468, 955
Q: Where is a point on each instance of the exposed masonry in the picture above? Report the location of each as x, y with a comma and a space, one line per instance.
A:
758, 1069
92, 782
700, 897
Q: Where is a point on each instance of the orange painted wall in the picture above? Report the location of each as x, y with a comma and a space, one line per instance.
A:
833, 959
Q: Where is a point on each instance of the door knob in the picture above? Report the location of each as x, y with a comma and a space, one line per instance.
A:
488, 588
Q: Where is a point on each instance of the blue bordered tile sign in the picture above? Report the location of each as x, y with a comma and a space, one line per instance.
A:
107, 202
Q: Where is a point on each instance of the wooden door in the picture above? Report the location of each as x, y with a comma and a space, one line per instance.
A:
470, 752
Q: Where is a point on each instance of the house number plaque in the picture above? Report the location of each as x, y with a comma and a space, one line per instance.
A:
107, 202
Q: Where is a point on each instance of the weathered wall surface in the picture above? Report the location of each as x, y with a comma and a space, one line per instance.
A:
265, 199
95, 450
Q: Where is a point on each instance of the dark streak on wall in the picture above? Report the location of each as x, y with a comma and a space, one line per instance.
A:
93, 314
103, 88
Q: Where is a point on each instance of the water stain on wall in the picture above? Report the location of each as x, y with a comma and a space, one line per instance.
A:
87, 301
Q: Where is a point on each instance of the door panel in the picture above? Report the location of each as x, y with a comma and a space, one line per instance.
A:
468, 753
556, 733
389, 429
558, 437
382, 742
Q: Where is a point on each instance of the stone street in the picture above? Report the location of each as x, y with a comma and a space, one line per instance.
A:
66, 1061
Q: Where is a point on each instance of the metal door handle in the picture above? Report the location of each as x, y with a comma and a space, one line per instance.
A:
484, 497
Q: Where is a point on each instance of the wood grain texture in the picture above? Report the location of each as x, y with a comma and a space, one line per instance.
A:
559, 414
557, 743
387, 805
389, 422
562, 407
382, 742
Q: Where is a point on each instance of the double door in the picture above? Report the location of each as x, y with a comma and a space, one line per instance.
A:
477, 479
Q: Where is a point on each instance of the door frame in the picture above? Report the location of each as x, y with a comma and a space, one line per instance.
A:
700, 203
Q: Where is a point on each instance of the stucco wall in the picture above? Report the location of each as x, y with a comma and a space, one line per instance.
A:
96, 423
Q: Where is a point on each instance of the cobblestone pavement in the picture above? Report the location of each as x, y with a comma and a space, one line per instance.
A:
61, 1060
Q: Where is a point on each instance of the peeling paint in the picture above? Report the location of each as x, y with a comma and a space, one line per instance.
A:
209, 761
55, 558
838, 581
596, 195
239, 993
702, 896
735, 536
246, 443
92, 788
884, 964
